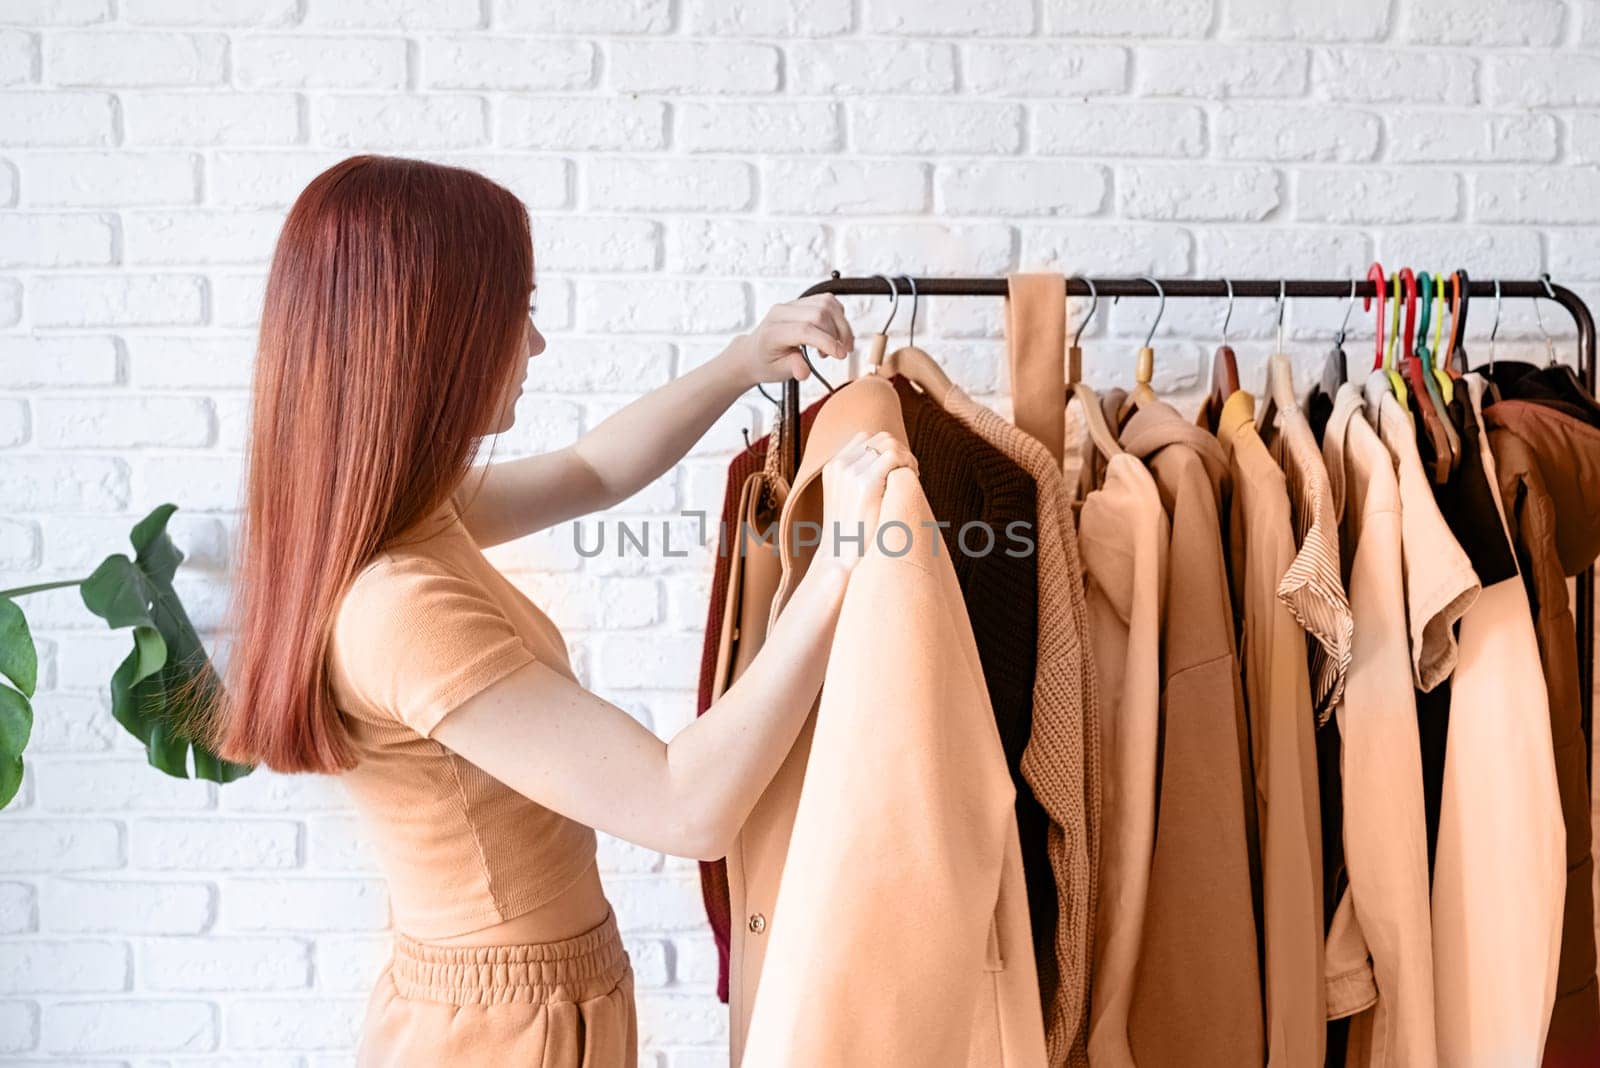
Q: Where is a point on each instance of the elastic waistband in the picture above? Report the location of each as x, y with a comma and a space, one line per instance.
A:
574, 969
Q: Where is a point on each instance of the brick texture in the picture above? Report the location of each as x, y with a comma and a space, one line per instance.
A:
685, 164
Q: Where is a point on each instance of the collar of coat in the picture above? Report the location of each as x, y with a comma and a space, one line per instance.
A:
1567, 452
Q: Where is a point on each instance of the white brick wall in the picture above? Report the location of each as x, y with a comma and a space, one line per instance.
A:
687, 164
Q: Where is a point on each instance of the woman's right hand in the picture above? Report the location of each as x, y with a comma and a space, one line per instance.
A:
852, 494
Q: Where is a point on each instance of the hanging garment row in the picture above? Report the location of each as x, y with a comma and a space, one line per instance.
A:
1267, 749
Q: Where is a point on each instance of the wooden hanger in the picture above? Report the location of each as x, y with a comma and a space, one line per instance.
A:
1335, 368
880, 340
1101, 436
1224, 371
1144, 366
915, 364
1280, 373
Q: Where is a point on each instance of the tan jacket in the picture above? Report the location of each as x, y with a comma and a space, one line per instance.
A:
1278, 697
1384, 912
1197, 995
1060, 761
881, 873
1500, 870
1122, 537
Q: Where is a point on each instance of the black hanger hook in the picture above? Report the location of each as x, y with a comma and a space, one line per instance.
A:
911, 335
1094, 303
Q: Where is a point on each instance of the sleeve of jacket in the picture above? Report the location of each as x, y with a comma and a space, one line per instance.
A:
882, 938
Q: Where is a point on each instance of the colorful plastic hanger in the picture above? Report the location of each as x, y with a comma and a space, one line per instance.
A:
1396, 383
1447, 388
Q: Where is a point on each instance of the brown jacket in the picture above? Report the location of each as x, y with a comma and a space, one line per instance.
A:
883, 950
1549, 474
1197, 994
1061, 761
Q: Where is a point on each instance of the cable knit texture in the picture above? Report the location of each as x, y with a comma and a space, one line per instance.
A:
969, 481
1061, 761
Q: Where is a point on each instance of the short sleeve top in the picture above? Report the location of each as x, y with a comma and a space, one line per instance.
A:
426, 625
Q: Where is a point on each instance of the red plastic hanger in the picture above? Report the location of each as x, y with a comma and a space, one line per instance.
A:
1379, 287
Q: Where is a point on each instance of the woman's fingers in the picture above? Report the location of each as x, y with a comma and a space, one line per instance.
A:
839, 325
824, 314
808, 333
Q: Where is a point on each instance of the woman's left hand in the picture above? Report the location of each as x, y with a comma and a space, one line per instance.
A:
771, 352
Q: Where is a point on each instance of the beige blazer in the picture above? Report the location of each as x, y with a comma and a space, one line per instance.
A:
1123, 540
1383, 914
1277, 688
881, 875
1500, 868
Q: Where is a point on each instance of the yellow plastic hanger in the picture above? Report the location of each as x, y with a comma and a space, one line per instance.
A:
1396, 383
1447, 387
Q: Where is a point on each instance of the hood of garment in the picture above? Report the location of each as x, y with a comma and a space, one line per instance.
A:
1567, 451
1112, 525
1158, 424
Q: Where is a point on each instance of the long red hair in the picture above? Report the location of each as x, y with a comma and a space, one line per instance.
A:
394, 316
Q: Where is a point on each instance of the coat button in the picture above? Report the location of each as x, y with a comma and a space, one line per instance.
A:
758, 923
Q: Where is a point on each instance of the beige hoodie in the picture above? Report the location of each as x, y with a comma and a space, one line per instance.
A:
1122, 538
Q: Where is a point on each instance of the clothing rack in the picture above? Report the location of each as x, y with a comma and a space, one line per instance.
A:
1178, 288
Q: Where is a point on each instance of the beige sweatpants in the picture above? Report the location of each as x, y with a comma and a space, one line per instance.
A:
566, 1004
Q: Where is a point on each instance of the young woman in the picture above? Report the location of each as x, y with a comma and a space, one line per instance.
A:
372, 640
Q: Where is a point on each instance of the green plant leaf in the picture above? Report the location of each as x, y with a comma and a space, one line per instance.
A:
162, 690
10, 778
158, 555
209, 766
16, 722
19, 660
119, 593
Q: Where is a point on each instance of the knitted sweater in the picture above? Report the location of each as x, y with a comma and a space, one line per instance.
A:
1061, 761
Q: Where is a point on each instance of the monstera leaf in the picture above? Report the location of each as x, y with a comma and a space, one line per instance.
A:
160, 692
19, 664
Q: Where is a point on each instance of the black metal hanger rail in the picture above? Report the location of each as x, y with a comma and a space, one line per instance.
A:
1273, 288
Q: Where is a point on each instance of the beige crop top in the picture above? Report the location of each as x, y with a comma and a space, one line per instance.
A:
425, 626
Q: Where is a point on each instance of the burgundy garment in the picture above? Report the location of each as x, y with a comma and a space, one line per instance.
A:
714, 873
